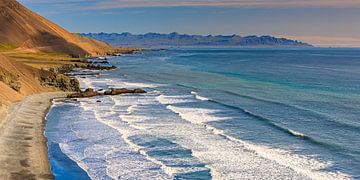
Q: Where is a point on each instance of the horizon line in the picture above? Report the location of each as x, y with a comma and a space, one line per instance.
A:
316, 41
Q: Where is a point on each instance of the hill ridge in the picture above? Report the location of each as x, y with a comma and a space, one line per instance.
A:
177, 39
24, 29
30, 44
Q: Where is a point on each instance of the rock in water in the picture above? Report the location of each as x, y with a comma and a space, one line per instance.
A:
91, 93
118, 91
87, 93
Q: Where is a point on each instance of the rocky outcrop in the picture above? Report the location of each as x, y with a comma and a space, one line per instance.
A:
91, 93
59, 81
98, 67
84, 94
124, 91
11, 80
100, 62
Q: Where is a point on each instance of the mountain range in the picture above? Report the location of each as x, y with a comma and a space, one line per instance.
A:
176, 39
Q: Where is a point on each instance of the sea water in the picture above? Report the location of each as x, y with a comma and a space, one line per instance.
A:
214, 113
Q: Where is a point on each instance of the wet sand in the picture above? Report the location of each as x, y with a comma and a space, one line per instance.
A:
23, 152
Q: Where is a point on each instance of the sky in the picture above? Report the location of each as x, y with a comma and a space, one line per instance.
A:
326, 23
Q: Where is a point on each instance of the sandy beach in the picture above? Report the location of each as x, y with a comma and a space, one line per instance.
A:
23, 152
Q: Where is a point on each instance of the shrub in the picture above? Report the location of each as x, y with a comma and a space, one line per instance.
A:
11, 80
59, 81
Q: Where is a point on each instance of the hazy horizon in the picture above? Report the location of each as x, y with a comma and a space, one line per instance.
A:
313, 21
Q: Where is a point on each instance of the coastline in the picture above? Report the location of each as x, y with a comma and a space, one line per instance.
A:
24, 152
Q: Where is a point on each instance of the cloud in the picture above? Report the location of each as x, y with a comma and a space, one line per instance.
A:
327, 41
116, 4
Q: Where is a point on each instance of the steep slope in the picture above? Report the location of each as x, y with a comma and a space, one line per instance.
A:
28, 43
23, 29
17, 80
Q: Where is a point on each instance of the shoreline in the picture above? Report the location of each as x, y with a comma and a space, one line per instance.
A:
24, 153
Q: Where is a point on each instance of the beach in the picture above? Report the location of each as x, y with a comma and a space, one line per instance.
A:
23, 153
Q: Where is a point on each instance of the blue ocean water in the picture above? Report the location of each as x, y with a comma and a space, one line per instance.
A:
215, 113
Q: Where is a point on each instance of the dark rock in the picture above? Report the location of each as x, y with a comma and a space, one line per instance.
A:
91, 93
97, 67
84, 94
124, 91
98, 101
59, 81
118, 91
139, 91
99, 62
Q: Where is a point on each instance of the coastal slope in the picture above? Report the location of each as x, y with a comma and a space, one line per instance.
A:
23, 29
31, 44
17, 80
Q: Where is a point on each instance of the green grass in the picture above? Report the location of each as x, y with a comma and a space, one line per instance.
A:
6, 47
43, 60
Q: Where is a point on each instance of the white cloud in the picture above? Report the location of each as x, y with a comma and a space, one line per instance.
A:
114, 4
328, 41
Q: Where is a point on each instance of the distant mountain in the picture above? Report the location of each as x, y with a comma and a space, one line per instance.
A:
176, 39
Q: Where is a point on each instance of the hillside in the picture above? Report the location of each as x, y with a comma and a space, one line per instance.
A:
23, 29
176, 39
17, 80
30, 43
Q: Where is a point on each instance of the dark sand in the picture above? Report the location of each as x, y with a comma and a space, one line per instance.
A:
23, 150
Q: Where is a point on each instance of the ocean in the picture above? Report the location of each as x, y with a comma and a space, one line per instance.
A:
214, 113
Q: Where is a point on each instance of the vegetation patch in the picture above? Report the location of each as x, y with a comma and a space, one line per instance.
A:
59, 81
43, 60
11, 80
6, 47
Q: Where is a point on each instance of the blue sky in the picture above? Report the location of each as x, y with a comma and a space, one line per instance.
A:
321, 22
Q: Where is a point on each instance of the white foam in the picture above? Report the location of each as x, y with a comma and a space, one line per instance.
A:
103, 153
131, 108
154, 92
295, 133
197, 96
279, 160
141, 85
196, 115
163, 99
226, 156
128, 131
66, 150
85, 83
303, 165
